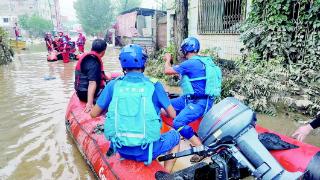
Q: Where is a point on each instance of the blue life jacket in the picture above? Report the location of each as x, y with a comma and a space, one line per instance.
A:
132, 119
213, 78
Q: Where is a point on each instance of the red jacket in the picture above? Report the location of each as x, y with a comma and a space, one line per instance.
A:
81, 40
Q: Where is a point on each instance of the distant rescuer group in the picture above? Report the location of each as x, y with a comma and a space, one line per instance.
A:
133, 102
61, 45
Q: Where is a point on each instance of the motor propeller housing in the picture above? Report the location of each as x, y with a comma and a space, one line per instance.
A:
231, 120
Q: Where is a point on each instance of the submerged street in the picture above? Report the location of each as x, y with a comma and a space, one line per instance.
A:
33, 98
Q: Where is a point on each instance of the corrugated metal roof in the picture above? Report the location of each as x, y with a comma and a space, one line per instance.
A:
143, 11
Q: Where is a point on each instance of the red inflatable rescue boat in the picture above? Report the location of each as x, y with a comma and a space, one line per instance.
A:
93, 146
88, 135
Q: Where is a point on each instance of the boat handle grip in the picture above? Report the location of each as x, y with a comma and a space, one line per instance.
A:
166, 157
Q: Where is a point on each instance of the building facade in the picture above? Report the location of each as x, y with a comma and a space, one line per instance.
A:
215, 23
141, 26
10, 10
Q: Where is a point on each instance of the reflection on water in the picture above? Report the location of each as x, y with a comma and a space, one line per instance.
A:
34, 143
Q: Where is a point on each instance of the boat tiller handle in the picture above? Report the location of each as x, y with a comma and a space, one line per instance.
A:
201, 150
167, 157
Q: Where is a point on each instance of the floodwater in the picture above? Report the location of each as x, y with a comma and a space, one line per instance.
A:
33, 97
287, 123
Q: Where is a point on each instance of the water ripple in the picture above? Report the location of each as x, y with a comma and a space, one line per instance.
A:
34, 143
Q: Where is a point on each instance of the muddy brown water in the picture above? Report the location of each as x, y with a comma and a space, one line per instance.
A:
34, 143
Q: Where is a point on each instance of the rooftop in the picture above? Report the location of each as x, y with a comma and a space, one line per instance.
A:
143, 11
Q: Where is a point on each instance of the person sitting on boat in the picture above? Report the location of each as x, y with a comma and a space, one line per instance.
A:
302, 132
134, 103
200, 83
89, 74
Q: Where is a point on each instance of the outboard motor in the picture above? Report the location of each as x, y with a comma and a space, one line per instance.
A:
232, 121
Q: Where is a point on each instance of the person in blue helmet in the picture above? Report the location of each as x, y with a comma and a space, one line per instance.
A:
133, 103
200, 80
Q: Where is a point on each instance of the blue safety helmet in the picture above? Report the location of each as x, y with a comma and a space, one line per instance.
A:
190, 44
132, 56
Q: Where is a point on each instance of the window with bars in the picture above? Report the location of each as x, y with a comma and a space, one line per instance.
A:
220, 16
5, 20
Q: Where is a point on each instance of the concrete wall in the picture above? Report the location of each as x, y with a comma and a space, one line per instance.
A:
170, 16
162, 32
10, 23
229, 45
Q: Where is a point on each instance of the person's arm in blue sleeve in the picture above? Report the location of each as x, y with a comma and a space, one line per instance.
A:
103, 100
163, 101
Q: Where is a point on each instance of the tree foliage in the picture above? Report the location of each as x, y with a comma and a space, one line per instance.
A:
94, 17
286, 32
124, 5
35, 24
155, 66
285, 28
6, 53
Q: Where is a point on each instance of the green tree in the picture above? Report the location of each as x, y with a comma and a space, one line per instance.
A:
35, 24
23, 22
281, 55
94, 17
124, 5
6, 53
